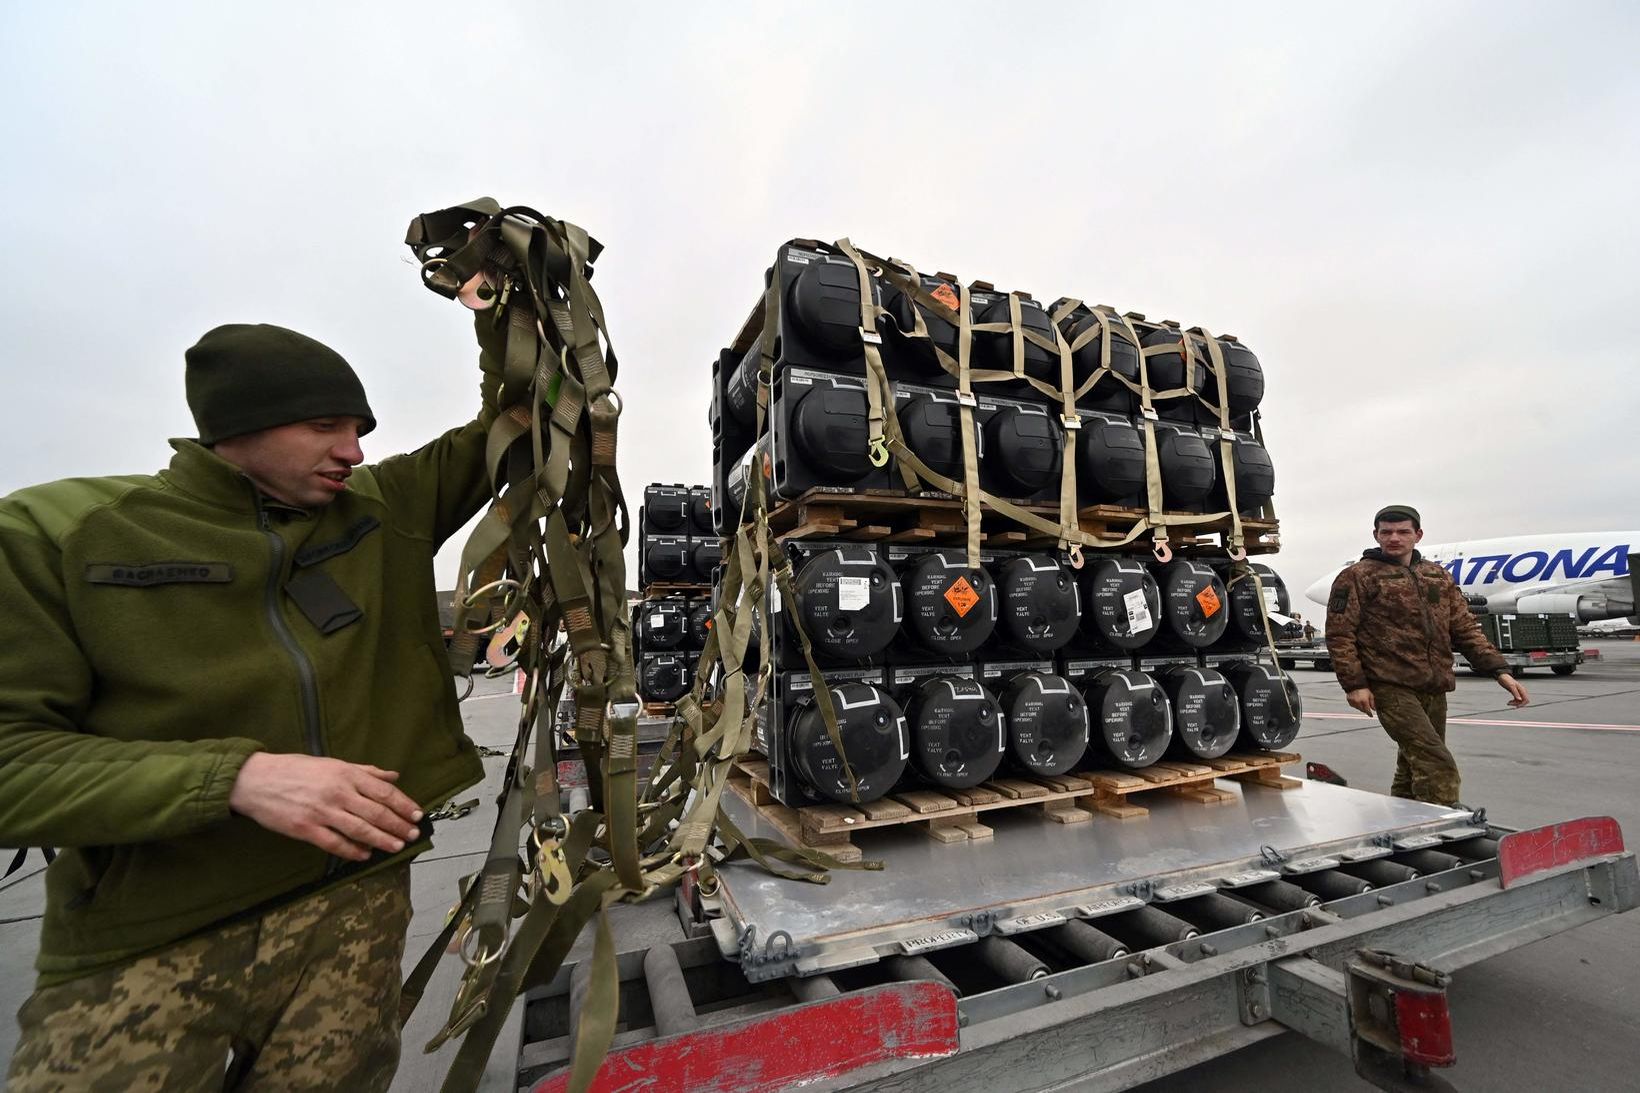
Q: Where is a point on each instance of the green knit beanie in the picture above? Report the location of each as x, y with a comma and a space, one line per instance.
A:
244, 377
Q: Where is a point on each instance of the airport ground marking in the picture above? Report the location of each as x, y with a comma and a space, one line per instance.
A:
1593, 727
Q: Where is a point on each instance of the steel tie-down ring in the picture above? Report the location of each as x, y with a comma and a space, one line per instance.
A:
482, 957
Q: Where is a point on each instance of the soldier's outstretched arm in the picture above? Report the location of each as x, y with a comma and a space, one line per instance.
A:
60, 785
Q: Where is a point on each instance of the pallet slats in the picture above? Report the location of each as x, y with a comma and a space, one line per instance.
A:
890, 517
951, 815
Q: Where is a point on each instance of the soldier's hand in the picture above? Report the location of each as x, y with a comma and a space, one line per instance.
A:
1517, 693
1361, 699
345, 809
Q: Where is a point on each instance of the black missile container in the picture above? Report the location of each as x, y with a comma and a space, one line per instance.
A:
850, 604
1024, 445
1130, 720
958, 732
1047, 719
1248, 609
700, 513
1038, 605
1193, 605
1206, 710
663, 677
1110, 461
1188, 467
665, 510
1121, 604
995, 349
819, 326
705, 555
950, 609
1108, 393
804, 765
665, 559
1255, 473
1272, 709
907, 353
662, 625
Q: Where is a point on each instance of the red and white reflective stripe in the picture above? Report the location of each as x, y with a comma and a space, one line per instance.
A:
1512, 723
1424, 1025
1524, 853
775, 1052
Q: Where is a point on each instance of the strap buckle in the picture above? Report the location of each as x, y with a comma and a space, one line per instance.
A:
549, 871
968, 399
1072, 422
870, 337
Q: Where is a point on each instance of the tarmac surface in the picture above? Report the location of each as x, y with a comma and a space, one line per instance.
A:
1563, 1013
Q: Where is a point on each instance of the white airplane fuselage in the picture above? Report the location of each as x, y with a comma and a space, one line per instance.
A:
1586, 574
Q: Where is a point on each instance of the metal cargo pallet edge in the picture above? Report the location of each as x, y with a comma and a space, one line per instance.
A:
1365, 974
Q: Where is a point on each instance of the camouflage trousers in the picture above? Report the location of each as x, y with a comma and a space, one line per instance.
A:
304, 997
1425, 769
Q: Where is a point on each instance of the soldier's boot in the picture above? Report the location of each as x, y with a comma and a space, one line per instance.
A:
1402, 784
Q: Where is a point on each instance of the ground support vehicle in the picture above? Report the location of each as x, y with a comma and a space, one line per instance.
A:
1106, 954
1563, 662
1299, 654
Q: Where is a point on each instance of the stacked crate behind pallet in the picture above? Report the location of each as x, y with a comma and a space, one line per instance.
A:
678, 551
1057, 664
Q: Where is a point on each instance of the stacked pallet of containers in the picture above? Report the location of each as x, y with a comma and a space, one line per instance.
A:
1038, 654
678, 553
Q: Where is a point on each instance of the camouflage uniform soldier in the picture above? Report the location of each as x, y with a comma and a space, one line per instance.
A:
1392, 621
225, 697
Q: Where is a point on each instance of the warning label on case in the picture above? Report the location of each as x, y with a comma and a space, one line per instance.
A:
961, 596
853, 593
1208, 601
946, 295
1138, 611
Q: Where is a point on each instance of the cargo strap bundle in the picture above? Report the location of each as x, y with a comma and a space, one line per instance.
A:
543, 580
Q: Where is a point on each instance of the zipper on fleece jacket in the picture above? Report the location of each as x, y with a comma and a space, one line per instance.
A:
304, 666
281, 630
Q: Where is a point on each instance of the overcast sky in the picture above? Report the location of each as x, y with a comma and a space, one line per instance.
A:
1421, 216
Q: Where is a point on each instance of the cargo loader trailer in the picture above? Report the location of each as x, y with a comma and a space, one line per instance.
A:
1102, 954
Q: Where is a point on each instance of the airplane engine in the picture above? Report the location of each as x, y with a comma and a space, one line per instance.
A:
1588, 607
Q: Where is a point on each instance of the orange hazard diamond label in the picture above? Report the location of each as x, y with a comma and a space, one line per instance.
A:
1209, 601
961, 596
947, 295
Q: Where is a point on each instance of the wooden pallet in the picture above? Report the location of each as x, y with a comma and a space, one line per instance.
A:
889, 516
952, 815
674, 588
661, 710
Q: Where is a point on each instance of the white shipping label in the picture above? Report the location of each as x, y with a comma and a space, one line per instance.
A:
853, 593
1138, 611
1272, 602
774, 600
657, 620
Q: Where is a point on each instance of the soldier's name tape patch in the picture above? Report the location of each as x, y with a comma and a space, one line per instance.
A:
154, 573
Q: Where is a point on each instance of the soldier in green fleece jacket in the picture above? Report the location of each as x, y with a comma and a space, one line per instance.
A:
225, 698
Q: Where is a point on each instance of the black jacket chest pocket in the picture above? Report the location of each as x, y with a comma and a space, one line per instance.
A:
315, 593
